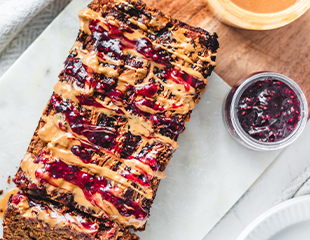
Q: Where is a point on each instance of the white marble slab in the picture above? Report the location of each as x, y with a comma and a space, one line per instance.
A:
207, 175
262, 194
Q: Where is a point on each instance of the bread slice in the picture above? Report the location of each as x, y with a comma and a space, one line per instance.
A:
28, 218
109, 130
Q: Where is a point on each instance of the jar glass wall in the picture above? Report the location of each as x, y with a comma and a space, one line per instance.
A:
234, 127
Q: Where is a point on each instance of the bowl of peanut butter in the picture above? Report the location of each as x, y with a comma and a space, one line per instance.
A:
259, 14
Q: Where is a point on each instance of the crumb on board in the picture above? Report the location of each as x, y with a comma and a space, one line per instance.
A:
9, 179
1, 192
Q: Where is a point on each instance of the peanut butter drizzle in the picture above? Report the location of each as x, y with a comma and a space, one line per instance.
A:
189, 71
138, 125
139, 24
92, 60
96, 206
52, 217
113, 213
4, 201
182, 98
87, 15
60, 143
182, 47
185, 47
130, 76
29, 168
134, 36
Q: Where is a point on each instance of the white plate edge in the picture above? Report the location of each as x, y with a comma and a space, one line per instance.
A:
271, 212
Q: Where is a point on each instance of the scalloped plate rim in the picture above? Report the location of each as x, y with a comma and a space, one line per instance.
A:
273, 212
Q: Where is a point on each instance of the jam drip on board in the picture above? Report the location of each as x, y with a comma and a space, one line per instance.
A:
268, 110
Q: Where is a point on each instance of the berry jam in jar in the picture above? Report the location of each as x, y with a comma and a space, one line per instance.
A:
266, 111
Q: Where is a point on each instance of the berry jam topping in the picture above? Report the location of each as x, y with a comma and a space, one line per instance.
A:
130, 144
83, 75
97, 135
115, 95
113, 41
181, 77
75, 68
268, 110
105, 84
92, 226
83, 153
150, 104
170, 124
90, 185
148, 156
147, 90
18, 197
85, 101
142, 179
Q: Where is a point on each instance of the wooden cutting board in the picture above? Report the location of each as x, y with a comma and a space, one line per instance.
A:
285, 50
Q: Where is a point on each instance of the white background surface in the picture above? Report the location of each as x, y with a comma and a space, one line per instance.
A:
207, 175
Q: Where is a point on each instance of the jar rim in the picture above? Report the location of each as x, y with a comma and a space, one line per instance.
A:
240, 17
246, 138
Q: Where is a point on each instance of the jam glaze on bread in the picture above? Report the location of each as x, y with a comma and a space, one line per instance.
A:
130, 82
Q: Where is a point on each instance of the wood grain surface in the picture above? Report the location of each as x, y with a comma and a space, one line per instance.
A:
285, 50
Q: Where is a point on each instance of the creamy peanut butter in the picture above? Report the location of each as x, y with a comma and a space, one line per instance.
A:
4, 201
264, 6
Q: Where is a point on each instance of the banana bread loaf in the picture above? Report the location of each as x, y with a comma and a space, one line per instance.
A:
103, 142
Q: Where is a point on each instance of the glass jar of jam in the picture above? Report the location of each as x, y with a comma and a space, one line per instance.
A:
266, 111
